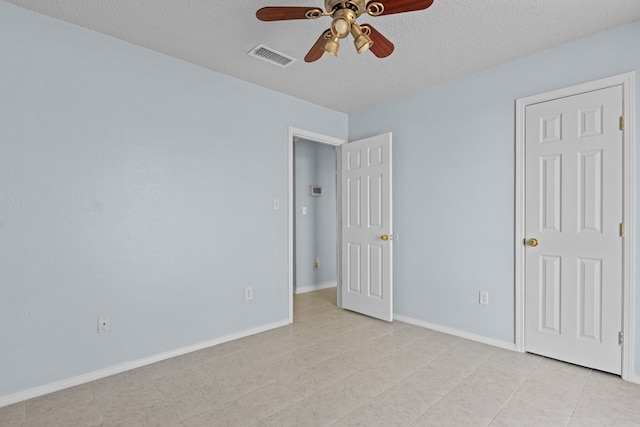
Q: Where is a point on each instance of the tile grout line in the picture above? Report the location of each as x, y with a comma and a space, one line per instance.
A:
383, 391
575, 405
262, 419
514, 392
164, 399
332, 383
95, 402
460, 382
306, 397
444, 395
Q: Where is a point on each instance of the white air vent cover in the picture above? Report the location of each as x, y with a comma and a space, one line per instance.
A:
272, 56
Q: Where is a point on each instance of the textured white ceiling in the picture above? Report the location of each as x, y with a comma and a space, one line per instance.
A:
450, 39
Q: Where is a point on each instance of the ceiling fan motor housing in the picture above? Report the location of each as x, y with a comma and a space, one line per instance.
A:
358, 6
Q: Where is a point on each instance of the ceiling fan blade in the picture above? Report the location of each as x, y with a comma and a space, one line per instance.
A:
283, 13
317, 50
400, 6
381, 46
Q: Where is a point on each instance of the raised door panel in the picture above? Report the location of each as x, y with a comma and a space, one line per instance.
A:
590, 299
354, 268
376, 271
589, 192
551, 194
354, 198
550, 289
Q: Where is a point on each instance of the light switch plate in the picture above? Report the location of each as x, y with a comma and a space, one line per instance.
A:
484, 297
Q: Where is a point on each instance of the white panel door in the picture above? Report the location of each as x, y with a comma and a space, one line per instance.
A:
573, 197
366, 264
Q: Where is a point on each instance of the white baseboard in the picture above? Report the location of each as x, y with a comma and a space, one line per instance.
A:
112, 370
457, 332
474, 337
315, 287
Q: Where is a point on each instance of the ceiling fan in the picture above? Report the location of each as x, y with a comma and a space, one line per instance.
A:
344, 14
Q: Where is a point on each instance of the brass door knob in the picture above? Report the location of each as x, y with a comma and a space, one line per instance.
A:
533, 242
384, 237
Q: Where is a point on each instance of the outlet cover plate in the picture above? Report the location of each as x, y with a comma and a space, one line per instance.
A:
104, 324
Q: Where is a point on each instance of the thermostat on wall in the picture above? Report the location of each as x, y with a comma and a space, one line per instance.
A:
316, 190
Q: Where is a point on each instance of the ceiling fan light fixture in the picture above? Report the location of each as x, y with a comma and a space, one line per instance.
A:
332, 45
340, 27
361, 41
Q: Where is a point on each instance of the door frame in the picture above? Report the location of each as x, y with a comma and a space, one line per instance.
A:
322, 139
627, 81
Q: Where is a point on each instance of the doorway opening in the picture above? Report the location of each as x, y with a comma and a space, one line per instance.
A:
313, 213
314, 216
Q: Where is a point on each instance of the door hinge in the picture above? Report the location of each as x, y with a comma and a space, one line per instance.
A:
621, 229
620, 338
621, 122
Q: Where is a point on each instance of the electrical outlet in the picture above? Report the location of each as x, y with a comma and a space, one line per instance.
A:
276, 204
248, 293
104, 324
484, 297
316, 263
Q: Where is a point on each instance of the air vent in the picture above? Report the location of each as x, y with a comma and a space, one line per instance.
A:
272, 56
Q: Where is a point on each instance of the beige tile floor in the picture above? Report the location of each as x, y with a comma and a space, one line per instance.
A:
334, 367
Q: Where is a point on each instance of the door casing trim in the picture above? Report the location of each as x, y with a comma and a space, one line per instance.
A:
627, 81
322, 139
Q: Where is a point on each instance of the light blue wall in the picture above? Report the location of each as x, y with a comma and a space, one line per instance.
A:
135, 186
304, 233
315, 164
325, 224
454, 164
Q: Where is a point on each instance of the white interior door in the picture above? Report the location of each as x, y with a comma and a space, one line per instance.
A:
573, 212
366, 227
